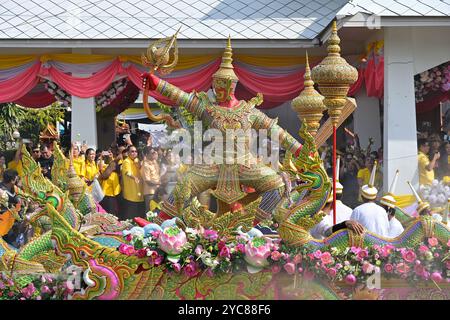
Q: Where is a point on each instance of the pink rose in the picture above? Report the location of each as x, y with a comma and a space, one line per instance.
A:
387, 250
155, 259
436, 255
402, 268
126, 249
317, 254
225, 252
432, 242
275, 255
276, 268
419, 269
28, 291
176, 267
367, 267
362, 254
172, 240
300, 270
355, 250
289, 267
448, 243
350, 279
326, 258
389, 268
423, 248
129, 237
198, 250
141, 253
310, 256
338, 266
436, 277
240, 247
210, 235
297, 259
408, 256
347, 263
191, 269
332, 272
447, 263
155, 234
220, 245
257, 251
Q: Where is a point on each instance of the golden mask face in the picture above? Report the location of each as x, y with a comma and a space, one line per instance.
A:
223, 88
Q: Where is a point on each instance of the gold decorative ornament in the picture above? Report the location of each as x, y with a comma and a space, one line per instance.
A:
309, 103
334, 77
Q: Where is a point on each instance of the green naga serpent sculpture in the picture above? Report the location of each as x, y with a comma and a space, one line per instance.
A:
108, 274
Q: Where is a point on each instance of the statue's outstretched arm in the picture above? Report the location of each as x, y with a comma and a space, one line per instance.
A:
288, 142
180, 98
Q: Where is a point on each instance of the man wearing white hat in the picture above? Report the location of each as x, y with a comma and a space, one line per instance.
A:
372, 216
388, 202
325, 227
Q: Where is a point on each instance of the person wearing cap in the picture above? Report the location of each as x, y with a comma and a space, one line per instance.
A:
372, 216
388, 202
325, 227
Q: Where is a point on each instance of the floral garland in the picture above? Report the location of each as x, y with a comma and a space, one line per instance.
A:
108, 95
435, 79
45, 287
191, 251
60, 94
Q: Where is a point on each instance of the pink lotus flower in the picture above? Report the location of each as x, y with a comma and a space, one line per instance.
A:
367, 267
432, 242
276, 268
317, 254
275, 255
326, 258
289, 267
408, 255
126, 249
172, 240
257, 251
210, 235
350, 279
191, 269
436, 276
332, 272
389, 268
402, 268
225, 252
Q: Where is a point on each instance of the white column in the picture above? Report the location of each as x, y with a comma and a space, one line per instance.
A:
84, 123
367, 120
400, 140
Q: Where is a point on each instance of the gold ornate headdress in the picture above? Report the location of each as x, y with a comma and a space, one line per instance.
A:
388, 199
369, 191
226, 67
422, 204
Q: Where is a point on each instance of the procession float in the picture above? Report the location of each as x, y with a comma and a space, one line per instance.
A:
187, 251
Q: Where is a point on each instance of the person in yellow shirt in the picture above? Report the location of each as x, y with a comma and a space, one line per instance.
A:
16, 163
133, 199
79, 162
150, 173
426, 167
110, 183
91, 171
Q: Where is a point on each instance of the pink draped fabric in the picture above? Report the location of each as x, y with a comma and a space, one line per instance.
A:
17, 87
86, 87
36, 99
198, 81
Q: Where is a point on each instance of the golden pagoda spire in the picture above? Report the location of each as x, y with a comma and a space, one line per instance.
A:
309, 103
226, 67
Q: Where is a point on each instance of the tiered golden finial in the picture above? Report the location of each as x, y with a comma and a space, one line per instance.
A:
226, 67
334, 77
74, 183
309, 103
